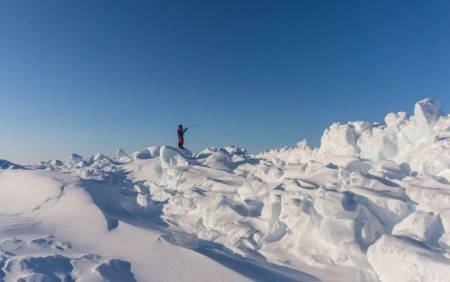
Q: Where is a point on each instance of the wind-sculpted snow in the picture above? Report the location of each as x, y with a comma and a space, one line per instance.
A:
371, 204
50, 259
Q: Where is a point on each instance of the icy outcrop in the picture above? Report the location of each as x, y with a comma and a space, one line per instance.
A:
171, 157
233, 150
421, 226
301, 154
4, 164
146, 153
56, 163
75, 161
427, 113
220, 159
418, 144
101, 158
442, 127
389, 169
253, 188
122, 157
339, 140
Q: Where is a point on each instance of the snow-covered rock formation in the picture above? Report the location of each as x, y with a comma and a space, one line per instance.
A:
372, 203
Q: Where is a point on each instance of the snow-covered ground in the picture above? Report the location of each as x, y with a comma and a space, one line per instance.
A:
371, 204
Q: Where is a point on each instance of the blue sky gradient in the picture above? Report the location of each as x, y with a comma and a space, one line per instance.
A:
95, 76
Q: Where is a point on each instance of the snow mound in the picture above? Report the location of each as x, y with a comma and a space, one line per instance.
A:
171, 157
147, 153
24, 190
8, 165
51, 259
421, 226
417, 263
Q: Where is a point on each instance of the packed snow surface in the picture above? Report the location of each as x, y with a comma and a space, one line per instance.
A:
372, 203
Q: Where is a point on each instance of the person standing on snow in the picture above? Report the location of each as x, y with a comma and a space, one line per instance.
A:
181, 132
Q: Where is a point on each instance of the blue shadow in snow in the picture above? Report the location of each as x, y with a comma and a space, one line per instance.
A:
117, 201
255, 267
256, 270
249, 208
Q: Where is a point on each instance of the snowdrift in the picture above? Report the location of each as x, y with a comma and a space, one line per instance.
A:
372, 203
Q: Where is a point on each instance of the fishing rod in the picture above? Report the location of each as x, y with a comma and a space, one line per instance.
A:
193, 125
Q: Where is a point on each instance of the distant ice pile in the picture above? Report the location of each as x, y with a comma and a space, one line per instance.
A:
418, 144
8, 165
372, 203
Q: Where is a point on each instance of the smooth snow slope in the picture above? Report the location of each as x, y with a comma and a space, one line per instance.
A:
371, 204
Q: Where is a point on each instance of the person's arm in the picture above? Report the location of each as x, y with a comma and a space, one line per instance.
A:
185, 129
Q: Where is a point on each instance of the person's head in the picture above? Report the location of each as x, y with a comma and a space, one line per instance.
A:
180, 126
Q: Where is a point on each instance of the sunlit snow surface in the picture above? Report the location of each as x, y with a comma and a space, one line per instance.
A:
371, 204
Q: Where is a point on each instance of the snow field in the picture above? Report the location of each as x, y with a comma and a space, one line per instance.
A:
371, 204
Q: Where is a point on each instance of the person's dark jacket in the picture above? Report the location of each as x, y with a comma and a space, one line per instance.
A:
181, 132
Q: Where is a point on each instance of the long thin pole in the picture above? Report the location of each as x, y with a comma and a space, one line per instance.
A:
193, 125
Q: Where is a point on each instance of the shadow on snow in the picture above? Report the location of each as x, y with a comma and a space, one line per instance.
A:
116, 198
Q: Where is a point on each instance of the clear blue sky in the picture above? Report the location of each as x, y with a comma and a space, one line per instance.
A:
93, 76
